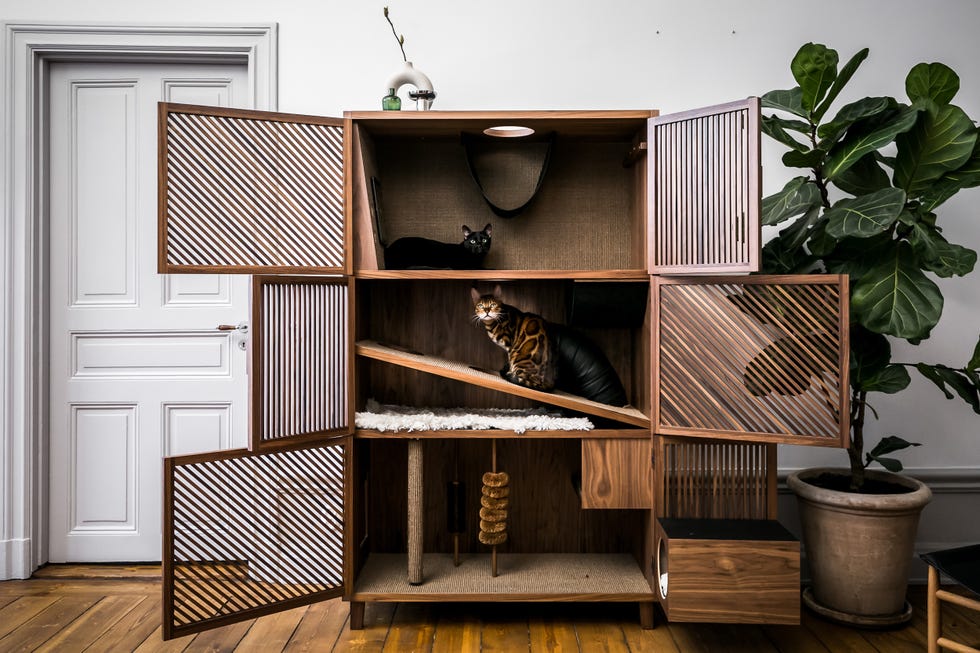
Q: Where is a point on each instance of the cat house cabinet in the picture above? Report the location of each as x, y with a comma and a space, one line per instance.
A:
716, 369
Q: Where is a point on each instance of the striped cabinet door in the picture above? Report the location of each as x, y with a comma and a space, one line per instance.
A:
248, 534
250, 191
705, 185
301, 354
758, 358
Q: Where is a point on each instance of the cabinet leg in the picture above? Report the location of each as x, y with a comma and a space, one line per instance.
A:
646, 615
357, 615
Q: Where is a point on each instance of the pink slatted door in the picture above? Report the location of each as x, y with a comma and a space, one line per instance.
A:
756, 358
705, 190
301, 354
251, 192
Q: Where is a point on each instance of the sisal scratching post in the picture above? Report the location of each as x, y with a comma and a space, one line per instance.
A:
493, 508
415, 529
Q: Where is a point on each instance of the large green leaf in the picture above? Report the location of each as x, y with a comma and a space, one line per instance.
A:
855, 257
864, 177
789, 100
779, 128
798, 231
896, 298
951, 260
870, 354
942, 140
809, 159
890, 380
778, 258
933, 81
796, 197
814, 68
820, 242
966, 176
974, 363
961, 383
842, 78
854, 146
888, 445
865, 215
849, 114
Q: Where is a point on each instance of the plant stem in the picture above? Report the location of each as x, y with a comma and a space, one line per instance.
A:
400, 39
855, 452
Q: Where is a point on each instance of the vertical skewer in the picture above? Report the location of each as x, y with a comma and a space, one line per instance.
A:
493, 468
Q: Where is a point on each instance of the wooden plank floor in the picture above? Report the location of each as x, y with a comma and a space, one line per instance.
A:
117, 608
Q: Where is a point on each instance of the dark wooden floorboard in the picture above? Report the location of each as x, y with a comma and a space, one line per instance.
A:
112, 608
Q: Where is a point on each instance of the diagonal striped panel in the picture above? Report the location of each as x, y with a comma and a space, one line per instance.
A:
705, 184
300, 359
761, 358
250, 191
706, 479
248, 534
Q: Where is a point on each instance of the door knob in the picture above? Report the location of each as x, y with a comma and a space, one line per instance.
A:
241, 328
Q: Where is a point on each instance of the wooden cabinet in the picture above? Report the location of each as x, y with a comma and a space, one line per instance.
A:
318, 508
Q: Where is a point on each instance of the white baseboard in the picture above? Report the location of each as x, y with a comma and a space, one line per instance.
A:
15, 559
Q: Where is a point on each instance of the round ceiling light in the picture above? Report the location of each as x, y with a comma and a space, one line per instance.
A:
508, 131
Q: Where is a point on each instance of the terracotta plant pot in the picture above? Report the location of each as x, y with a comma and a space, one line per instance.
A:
859, 546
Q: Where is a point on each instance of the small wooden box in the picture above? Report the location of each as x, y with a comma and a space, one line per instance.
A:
728, 570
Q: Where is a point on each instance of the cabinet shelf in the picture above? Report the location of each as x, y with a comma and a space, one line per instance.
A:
508, 275
459, 371
498, 434
523, 577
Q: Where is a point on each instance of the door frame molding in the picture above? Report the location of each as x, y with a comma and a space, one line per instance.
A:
28, 50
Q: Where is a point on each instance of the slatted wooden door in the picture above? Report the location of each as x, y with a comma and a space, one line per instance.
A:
247, 534
251, 192
250, 532
705, 190
760, 358
301, 354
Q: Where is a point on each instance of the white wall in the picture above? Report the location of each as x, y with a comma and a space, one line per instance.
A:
622, 54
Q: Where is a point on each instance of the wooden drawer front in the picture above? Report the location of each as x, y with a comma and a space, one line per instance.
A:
720, 580
617, 474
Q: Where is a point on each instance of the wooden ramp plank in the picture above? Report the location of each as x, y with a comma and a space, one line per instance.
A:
462, 372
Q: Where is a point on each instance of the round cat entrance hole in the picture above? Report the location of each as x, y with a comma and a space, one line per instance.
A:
508, 131
662, 568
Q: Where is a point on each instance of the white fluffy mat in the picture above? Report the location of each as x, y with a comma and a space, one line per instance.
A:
388, 417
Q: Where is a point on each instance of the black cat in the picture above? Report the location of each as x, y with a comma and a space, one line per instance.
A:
414, 252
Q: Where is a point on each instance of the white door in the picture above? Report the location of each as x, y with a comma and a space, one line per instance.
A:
138, 370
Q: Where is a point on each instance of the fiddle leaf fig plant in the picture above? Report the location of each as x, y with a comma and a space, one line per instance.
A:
873, 174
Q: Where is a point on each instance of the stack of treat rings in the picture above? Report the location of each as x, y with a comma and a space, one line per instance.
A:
494, 503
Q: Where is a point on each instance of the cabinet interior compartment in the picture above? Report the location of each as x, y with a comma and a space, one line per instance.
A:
589, 213
545, 519
435, 318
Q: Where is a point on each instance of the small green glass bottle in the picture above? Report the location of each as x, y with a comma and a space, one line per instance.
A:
391, 102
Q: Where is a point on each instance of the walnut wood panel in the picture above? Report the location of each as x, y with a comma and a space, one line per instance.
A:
301, 359
617, 474
756, 358
250, 191
705, 182
702, 479
247, 534
731, 580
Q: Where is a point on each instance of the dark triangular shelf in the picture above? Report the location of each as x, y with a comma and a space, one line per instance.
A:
462, 372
